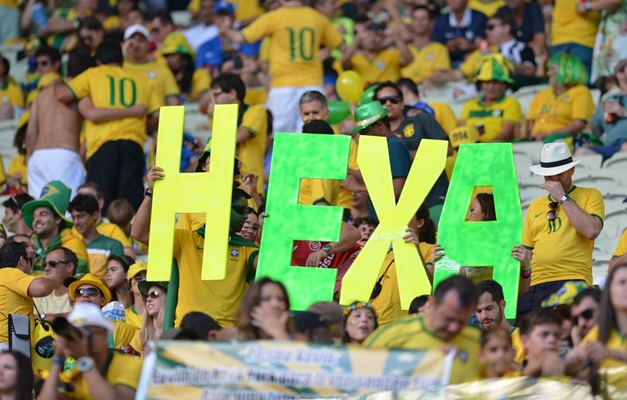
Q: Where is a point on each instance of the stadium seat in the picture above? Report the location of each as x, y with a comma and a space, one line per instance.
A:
608, 244
618, 160
525, 96
590, 162
599, 179
617, 214
182, 18
531, 149
600, 264
614, 196
610, 229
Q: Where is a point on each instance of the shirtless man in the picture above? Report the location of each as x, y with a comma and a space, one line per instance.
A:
53, 148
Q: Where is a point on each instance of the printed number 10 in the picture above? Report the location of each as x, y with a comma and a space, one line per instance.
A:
121, 95
305, 44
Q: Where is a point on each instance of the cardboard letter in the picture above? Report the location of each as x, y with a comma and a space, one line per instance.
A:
484, 243
297, 156
208, 192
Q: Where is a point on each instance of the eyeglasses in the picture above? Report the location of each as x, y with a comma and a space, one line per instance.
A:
551, 213
53, 263
391, 99
153, 295
491, 26
585, 314
216, 94
239, 208
90, 292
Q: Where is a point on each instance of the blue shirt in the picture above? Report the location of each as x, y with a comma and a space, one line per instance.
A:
212, 53
443, 31
533, 21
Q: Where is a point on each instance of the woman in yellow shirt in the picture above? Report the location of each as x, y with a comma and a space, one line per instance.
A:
566, 107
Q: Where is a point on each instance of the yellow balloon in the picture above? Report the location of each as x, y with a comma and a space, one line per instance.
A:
349, 86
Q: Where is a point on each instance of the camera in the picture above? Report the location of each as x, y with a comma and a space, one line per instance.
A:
63, 328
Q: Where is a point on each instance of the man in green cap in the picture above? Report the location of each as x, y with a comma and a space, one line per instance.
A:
46, 217
372, 119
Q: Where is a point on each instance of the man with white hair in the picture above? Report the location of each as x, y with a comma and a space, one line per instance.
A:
560, 228
100, 372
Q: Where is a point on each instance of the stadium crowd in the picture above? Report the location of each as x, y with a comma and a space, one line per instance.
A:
77, 315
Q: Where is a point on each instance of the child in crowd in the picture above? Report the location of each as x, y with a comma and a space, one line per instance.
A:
497, 353
540, 332
366, 226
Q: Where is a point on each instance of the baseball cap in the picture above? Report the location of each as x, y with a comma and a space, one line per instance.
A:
224, 7
87, 314
136, 28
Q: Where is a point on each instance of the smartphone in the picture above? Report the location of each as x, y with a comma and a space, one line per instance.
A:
237, 62
62, 327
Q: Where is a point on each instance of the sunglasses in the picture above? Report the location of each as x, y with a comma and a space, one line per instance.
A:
42, 63
391, 99
550, 215
491, 26
153, 295
239, 208
90, 292
585, 314
53, 263
139, 278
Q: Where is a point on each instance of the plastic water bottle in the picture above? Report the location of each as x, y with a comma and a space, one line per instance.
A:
40, 20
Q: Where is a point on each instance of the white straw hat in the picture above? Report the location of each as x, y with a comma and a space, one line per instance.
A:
554, 160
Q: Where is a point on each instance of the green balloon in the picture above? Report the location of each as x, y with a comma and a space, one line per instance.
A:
338, 112
368, 95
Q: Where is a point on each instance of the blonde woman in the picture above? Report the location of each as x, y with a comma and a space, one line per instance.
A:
154, 294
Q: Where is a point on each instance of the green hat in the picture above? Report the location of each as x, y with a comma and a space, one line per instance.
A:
144, 286
367, 114
56, 196
494, 67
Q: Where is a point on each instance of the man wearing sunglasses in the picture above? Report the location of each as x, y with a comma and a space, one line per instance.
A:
219, 298
412, 130
560, 228
60, 264
585, 313
90, 289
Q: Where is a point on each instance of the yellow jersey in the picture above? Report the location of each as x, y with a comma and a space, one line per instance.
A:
621, 248
64, 239
518, 346
486, 7
201, 82
412, 333
559, 252
113, 87
160, 75
569, 26
313, 191
18, 166
124, 370
444, 115
296, 33
427, 60
14, 298
220, 299
345, 196
383, 67
11, 93
252, 150
491, 117
550, 112
388, 303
